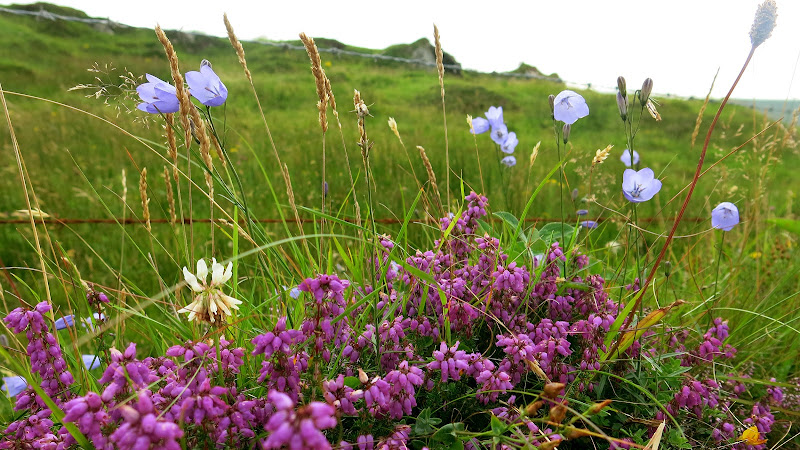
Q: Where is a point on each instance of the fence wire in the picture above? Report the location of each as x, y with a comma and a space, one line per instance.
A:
190, 220
46, 15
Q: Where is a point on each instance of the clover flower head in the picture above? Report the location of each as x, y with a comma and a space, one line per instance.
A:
210, 303
569, 106
509, 161
158, 96
510, 143
14, 385
640, 186
725, 216
206, 86
626, 158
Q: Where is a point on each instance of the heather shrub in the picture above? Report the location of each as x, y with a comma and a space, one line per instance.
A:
480, 332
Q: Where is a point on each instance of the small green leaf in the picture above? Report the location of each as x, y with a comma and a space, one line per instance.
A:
507, 218
485, 228
352, 382
552, 233
425, 423
448, 435
498, 427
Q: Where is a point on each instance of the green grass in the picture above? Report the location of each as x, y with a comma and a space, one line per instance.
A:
76, 161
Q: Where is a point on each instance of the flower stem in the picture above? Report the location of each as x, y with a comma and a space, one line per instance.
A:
688, 196
716, 278
561, 182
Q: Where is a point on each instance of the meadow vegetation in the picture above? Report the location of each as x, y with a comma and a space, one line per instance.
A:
501, 306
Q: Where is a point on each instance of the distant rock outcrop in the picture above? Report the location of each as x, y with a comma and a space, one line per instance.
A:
423, 50
532, 71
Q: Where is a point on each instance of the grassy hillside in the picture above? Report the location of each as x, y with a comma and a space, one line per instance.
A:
76, 161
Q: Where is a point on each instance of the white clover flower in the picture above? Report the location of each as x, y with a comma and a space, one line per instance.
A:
210, 303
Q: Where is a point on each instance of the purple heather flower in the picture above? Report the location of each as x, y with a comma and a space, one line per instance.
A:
640, 186
725, 216
450, 361
14, 385
206, 86
65, 322
479, 125
626, 158
142, 427
301, 428
589, 224
158, 96
499, 133
91, 361
510, 143
569, 106
509, 161
495, 116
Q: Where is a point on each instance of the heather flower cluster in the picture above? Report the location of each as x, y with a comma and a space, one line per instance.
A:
478, 322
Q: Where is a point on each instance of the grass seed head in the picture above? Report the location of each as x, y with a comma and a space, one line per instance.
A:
535, 152
764, 22
601, 154
237, 47
145, 200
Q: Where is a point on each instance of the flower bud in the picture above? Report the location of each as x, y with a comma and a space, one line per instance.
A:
362, 376
552, 390
647, 88
558, 413
575, 433
597, 407
621, 86
622, 104
533, 408
667, 268
552, 100
549, 445
574, 194
567, 128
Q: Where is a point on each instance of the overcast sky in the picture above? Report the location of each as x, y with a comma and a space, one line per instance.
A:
679, 43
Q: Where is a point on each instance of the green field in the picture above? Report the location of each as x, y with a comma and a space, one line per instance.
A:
67, 151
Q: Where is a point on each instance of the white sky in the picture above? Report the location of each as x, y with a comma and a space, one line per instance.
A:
679, 43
